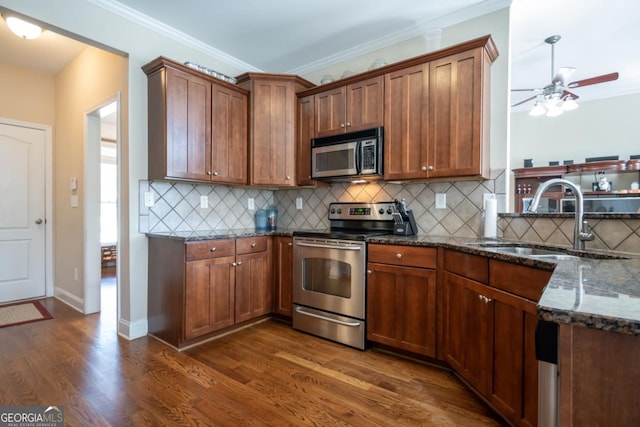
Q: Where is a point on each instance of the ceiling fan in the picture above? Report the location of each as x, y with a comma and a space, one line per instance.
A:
554, 98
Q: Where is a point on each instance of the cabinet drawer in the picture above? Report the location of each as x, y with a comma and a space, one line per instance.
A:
473, 267
410, 256
210, 249
251, 245
524, 281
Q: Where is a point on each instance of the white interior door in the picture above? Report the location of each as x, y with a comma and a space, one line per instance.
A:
22, 212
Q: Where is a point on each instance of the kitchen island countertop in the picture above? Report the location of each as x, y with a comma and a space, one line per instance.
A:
597, 293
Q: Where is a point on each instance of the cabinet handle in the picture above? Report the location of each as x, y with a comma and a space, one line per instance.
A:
213, 249
233, 264
398, 255
348, 124
341, 125
480, 297
215, 174
239, 263
287, 178
208, 172
423, 169
487, 300
369, 271
289, 244
253, 245
431, 168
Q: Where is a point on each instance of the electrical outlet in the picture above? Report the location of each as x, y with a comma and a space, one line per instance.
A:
298, 203
204, 202
75, 274
149, 200
251, 203
441, 200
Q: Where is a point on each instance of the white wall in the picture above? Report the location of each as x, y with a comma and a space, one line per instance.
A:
598, 128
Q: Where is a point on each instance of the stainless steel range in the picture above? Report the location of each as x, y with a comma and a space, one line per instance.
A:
329, 268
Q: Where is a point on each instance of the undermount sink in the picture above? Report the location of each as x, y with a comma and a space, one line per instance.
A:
532, 252
544, 253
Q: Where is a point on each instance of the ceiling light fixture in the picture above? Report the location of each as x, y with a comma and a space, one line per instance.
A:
552, 103
23, 29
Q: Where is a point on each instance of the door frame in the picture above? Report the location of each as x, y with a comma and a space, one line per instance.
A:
91, 236
48, 198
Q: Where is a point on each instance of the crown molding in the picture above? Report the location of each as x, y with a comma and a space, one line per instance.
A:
418, 30
149, 23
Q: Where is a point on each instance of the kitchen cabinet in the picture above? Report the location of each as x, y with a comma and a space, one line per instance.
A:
401, 297
306, 132
349, 108
197, 125
283, 295
199, 288
490, 320
273, 127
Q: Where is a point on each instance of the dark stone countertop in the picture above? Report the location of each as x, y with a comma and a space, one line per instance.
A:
597, 293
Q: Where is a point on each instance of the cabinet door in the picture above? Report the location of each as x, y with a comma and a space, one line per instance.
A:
406, 123
306, 111
330, 112
514, 382
283, 276
253, 286
457, 126
209, 296
273, 135
188, 126
468, 330
365, 104
229, 136
401, 307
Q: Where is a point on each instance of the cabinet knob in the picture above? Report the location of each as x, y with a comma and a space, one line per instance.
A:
480, 297
287, 177
253, 245
398, 255
215, 174
233, 264
213, 249
431, 168
369, 271
423, 169
348, 124
239, 263
39, 221
208, 172
341, 125
289, 244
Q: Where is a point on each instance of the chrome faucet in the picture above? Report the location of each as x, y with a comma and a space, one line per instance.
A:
581, 231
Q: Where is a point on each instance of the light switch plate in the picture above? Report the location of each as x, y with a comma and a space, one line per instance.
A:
441, 200
204, 202
74, 201
251, 203
149, 200
298, 203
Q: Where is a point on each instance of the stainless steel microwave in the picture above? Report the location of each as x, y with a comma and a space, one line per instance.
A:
348, 157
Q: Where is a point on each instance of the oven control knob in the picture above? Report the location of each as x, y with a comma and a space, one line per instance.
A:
389, 211
333, 210
381, 211
339, 211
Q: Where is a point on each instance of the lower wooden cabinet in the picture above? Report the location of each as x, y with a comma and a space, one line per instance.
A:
198, 288
401, 297
283, 275
489, 334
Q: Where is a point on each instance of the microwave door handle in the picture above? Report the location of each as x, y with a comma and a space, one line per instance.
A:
358, 157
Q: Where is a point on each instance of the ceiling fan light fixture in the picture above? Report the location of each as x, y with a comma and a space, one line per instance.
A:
23, 29
569, 104
554, 110
537, 110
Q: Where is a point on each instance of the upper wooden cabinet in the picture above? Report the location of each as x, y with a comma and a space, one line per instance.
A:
306, 131
356, 106
197, 125
273, 126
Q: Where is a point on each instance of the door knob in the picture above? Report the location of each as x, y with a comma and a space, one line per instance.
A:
39, 221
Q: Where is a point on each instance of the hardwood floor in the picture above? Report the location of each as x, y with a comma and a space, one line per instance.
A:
264, 375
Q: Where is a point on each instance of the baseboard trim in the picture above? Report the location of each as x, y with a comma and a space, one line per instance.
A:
133, 330
70, 299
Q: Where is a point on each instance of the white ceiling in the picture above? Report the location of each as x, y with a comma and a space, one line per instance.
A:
598, 36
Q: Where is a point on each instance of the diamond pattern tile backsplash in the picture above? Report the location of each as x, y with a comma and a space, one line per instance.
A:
177, 205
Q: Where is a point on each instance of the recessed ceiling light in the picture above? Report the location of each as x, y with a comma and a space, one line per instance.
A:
23, 29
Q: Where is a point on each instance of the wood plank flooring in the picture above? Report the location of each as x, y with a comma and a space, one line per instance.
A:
265, 375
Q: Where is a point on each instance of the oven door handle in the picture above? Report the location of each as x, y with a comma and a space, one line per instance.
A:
316, 245
328, 319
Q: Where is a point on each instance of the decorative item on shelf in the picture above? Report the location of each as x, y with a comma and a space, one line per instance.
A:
554, 163
212, 73
379, 62
528, 163
567, 162
327, 78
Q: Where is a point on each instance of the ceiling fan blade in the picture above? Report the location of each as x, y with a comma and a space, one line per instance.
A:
563, 75
526, 100
524, 90
566, 92
594, 80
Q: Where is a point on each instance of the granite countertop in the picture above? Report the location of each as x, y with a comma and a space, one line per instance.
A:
597, 293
